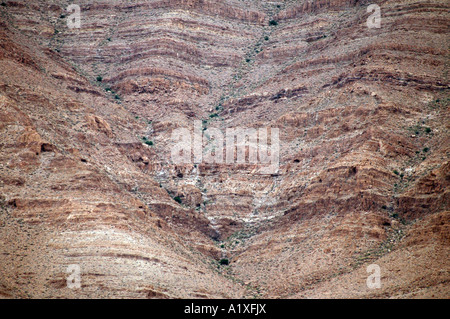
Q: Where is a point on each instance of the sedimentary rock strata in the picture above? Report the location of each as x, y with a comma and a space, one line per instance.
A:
86, 177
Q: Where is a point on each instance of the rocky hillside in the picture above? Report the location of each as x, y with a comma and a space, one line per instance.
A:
86, 176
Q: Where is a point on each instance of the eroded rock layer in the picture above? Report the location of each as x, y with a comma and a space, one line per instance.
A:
86, 175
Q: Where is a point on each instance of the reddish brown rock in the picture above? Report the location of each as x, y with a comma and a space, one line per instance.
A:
364, 142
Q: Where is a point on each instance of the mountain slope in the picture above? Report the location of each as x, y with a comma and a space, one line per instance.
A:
364, 148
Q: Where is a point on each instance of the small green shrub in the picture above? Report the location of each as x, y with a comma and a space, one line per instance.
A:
428, 130
266, 38
224, 261
426, 149
177, 199
273, 22
149, 143
396, 172
99, 78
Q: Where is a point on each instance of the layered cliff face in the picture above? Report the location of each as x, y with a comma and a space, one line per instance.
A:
87, 176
